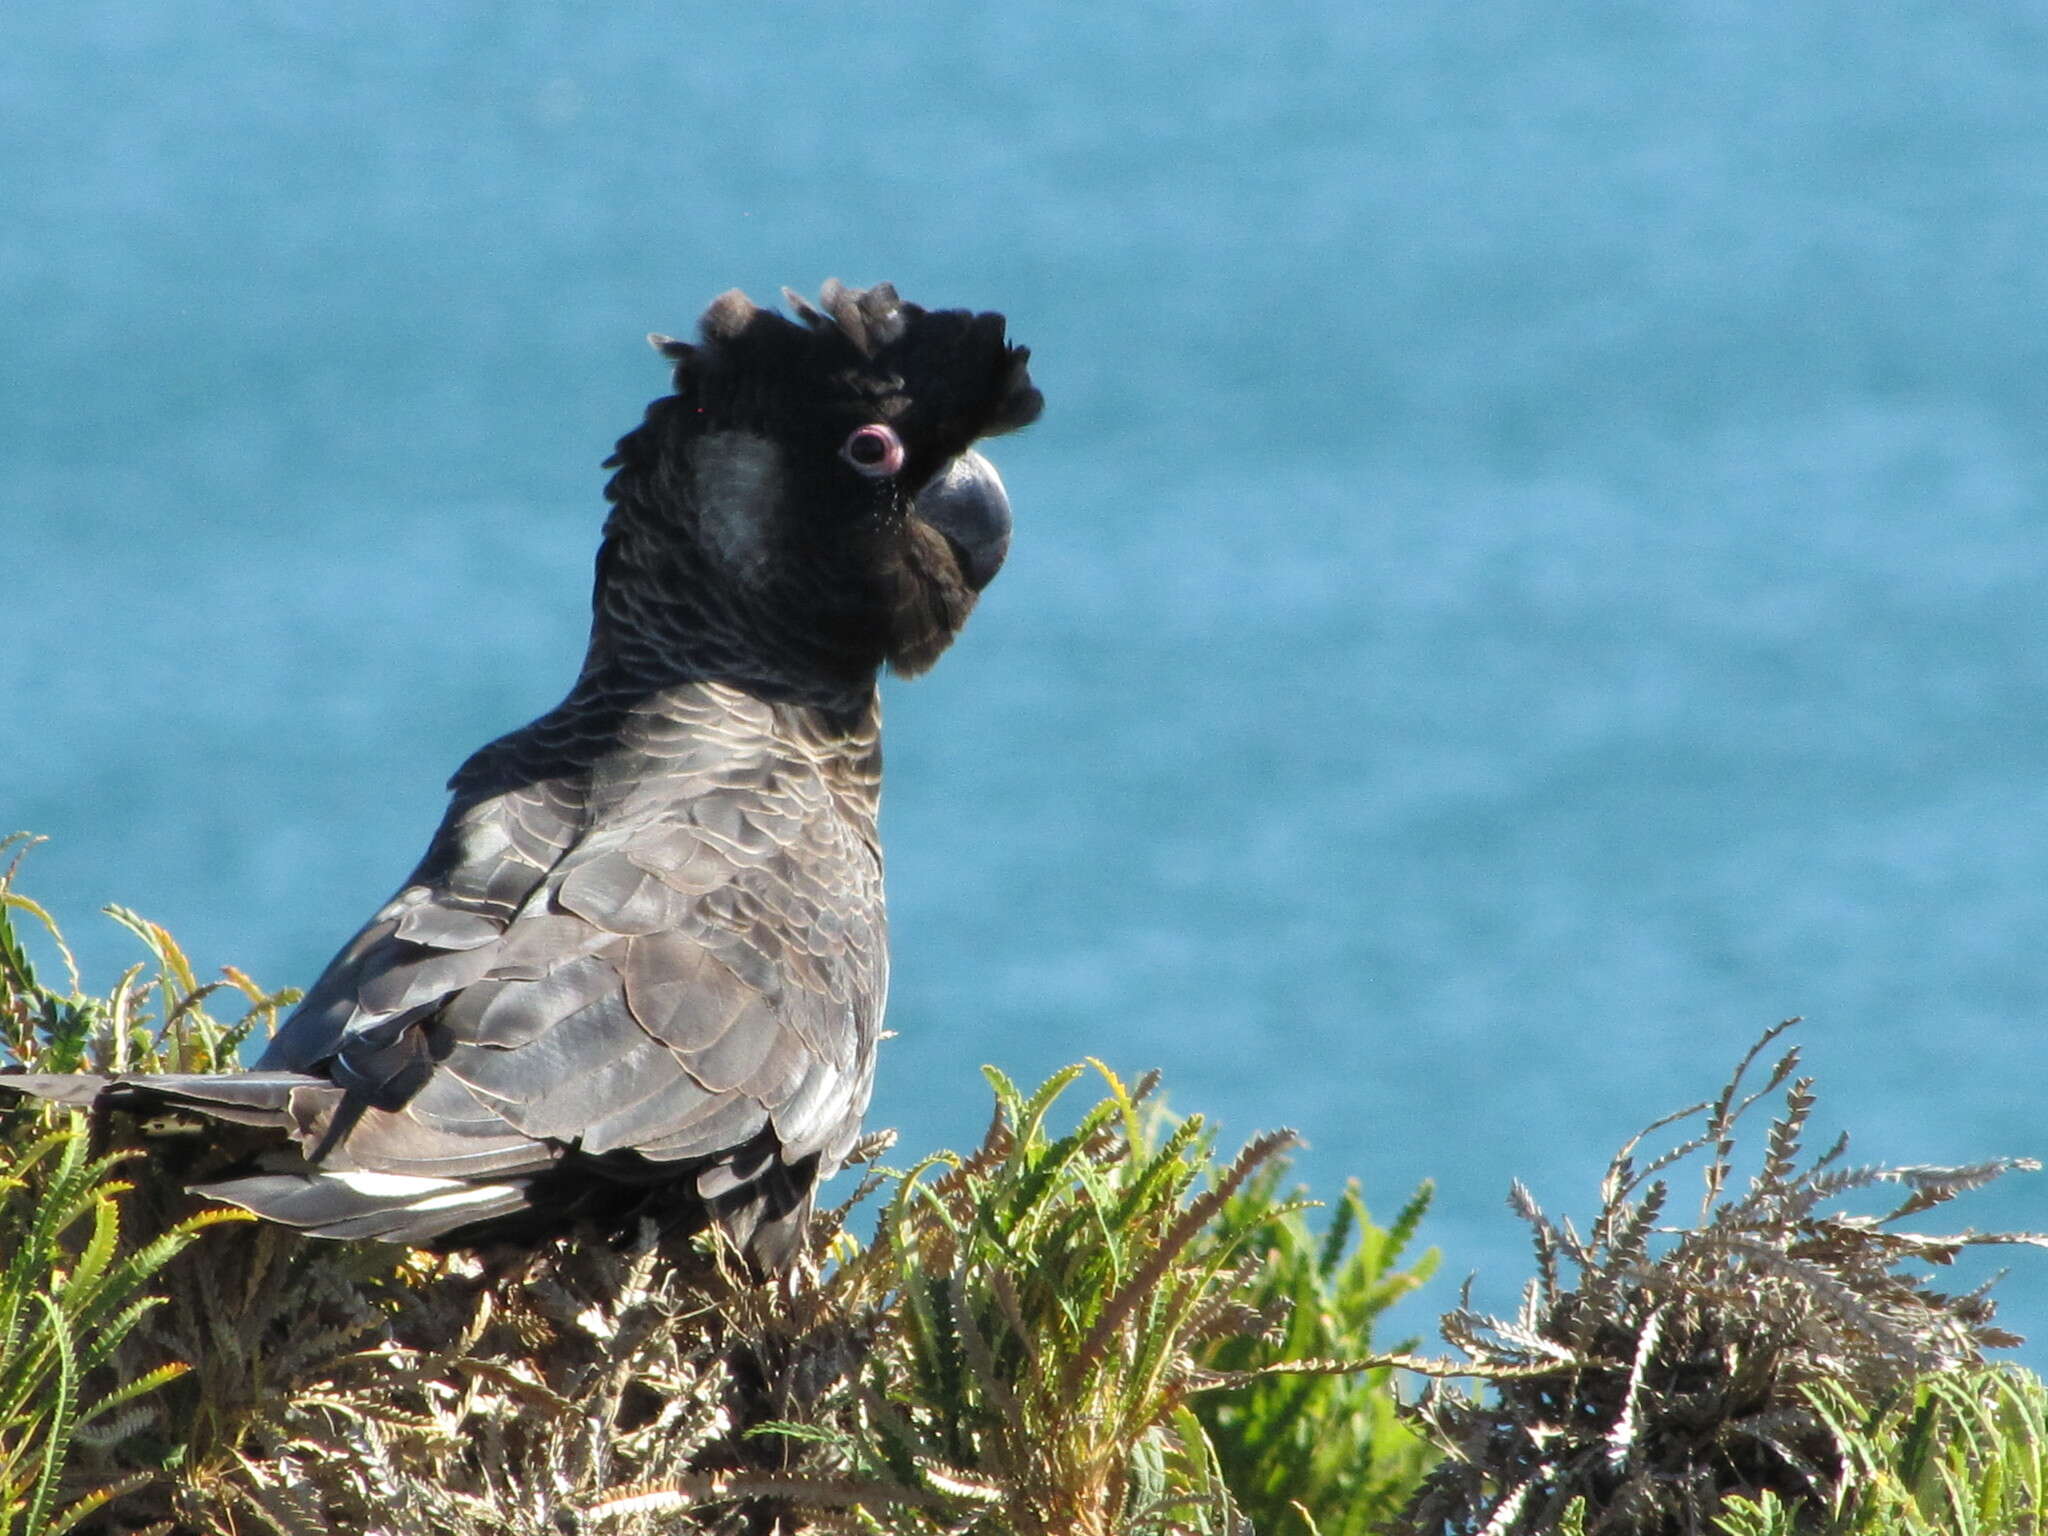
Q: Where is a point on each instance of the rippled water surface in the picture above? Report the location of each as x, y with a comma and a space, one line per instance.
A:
1532, 569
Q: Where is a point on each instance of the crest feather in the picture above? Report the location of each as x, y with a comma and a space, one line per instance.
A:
952, 370
728, 315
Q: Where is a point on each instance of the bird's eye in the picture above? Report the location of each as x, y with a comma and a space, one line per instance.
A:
874, 450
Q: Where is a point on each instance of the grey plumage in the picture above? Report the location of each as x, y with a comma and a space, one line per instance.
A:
641, 967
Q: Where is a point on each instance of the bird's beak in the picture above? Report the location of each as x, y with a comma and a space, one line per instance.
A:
966, 502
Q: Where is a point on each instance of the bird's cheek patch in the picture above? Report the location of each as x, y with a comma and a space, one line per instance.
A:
737, 476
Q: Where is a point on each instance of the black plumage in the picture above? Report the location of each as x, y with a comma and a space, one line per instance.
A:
641, 968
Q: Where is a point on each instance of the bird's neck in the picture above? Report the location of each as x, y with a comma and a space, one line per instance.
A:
674, 660
663, 614
614, 741
709, 734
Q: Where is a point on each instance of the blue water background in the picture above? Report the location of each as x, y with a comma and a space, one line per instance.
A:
1531, 571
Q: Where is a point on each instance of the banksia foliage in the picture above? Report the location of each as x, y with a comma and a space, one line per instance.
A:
1963, 1453
1058, 1298
1016, 1350
70, 1295
1331, 1442
1107, 1330
1655, 1370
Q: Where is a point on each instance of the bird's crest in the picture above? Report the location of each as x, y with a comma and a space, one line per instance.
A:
950, 372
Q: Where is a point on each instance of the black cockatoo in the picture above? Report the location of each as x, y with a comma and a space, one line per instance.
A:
641, 969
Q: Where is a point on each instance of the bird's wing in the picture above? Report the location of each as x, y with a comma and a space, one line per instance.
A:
706, 962
432, 939
685, 983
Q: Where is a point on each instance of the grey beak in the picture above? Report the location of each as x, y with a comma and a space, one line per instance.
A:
967, 503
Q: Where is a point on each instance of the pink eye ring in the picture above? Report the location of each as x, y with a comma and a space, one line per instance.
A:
873, 450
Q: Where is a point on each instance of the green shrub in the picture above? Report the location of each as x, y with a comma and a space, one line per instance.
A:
70, 1295
1330, 1443
1956, 1454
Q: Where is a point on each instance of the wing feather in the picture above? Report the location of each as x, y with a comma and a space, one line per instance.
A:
681, 959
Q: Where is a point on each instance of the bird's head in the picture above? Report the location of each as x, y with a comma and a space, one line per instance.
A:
821, 471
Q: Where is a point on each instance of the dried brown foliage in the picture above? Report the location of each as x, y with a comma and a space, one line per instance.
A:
1653, 1370
352, 1387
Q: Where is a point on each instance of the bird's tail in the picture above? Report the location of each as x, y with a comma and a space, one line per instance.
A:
390, 1207
246, 1098
285, 1187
